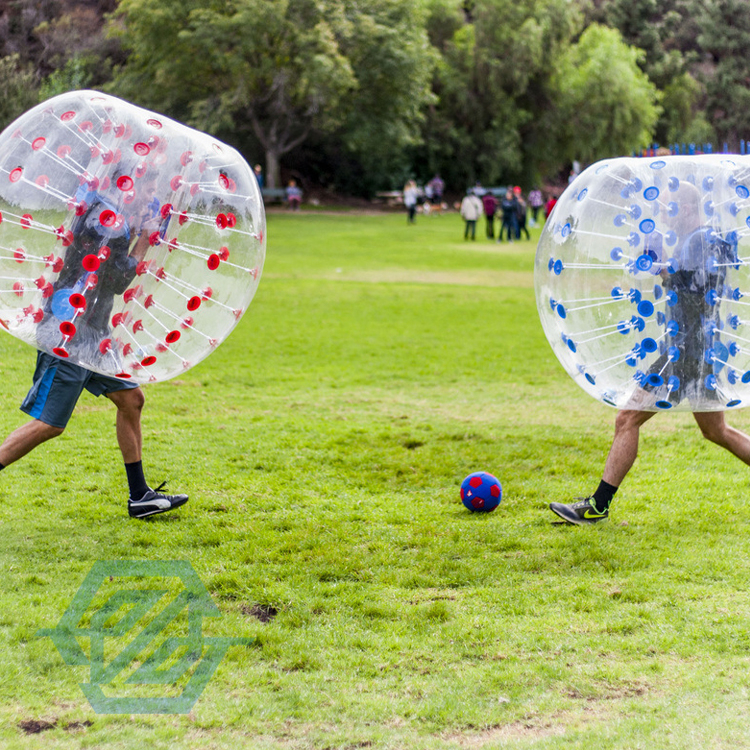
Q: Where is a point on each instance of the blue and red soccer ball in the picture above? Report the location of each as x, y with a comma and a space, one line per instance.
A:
481, 492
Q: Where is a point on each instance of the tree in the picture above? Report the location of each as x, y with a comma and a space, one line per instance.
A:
392, 61
271, 66
493, 85
667, 32
20, 87
725, 37
277, 71
606, 106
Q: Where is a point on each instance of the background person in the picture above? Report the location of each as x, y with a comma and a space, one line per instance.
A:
509, 223
293, 195
411, 198
489, 203
437, 186
471, 210
549, 205
521, 212
536, 201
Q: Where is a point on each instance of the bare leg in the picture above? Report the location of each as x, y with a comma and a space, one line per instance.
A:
129, 405
624, 448
714, 428
24, 439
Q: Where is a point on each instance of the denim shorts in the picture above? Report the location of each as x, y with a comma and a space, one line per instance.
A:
58, 386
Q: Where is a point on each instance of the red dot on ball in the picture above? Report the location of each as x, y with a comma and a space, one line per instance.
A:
477, 502
495, 491
475, 481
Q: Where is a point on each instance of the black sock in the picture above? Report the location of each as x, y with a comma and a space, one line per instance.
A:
136, 480
603, 496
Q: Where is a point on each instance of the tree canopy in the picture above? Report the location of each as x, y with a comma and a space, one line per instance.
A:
360, 96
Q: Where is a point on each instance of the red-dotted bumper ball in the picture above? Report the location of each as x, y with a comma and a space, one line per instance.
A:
129, 244
481, 492
643, 282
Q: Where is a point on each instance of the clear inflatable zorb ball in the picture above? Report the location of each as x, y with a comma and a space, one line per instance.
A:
642, 282
129, 244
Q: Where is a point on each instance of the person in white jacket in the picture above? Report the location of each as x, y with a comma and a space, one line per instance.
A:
471, 210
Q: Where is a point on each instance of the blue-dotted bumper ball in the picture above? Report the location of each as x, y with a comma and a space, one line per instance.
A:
642, 281
481, 492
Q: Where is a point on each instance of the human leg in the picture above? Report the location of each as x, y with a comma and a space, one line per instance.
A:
24, 439
713, 426
50, 402
143, 501
624, 449
129, 403
620, 459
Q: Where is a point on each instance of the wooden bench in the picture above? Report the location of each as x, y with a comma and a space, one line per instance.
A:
390, 197
273, 195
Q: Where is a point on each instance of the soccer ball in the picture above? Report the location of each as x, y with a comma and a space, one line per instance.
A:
481, 492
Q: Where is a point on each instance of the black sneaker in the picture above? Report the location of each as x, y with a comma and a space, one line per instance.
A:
582, 512
153, 502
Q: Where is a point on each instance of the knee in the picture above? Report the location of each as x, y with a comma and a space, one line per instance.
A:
715, 432
131, 401
48, 431
628, 420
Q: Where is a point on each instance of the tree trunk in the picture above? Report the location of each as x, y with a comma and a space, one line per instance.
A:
273, 172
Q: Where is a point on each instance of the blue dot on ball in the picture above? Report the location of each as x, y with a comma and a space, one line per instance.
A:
481, 492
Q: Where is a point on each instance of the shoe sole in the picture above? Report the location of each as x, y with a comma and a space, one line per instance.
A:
176, 504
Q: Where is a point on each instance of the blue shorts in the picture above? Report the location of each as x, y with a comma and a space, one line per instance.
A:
58, 386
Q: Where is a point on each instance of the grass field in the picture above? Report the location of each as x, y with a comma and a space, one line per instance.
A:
323, 446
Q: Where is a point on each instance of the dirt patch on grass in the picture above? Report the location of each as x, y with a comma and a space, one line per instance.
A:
518, 730
262, 612
36, 726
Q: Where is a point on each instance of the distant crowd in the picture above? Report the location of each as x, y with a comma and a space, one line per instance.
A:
507, 209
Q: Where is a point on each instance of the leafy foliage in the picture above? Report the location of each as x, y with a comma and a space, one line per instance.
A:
19, 85
595, 80
359, 95
725, 36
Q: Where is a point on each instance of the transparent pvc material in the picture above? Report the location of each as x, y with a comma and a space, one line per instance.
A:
129, 244
642, 280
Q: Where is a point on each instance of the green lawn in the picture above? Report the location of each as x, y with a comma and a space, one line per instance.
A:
323, 446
